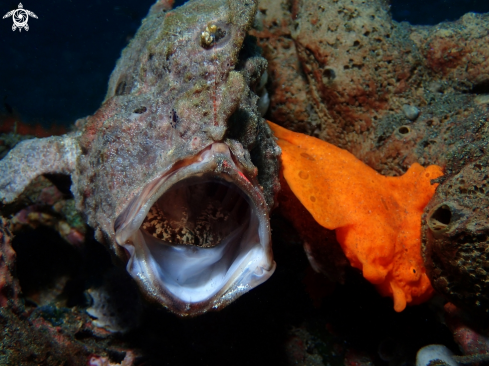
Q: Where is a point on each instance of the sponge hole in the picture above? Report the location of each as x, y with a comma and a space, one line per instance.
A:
440, 218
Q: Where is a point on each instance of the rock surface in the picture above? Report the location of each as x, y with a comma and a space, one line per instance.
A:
456, 238
345, 72
352, 69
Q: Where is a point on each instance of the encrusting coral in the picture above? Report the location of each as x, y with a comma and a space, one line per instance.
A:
377, 218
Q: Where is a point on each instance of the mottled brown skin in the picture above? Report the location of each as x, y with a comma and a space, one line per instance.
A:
168, 98
171, 96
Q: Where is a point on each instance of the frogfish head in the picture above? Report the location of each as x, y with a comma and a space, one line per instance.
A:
178, 170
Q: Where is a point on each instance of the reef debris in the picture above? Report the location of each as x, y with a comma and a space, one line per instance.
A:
115, 304
42, 335
9, 285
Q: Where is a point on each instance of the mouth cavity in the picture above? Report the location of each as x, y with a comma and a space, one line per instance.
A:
197, 212
199, 236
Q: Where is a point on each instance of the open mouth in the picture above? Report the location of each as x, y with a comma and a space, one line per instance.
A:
199, 236
198, 212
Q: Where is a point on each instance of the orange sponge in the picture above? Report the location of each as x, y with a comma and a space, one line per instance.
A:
377, 219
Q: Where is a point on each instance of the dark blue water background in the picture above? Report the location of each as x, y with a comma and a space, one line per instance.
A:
58, 70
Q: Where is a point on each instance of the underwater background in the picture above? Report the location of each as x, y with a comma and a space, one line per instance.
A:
56, 73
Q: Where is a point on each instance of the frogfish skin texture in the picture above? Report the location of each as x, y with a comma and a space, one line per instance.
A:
377, 219
177, 170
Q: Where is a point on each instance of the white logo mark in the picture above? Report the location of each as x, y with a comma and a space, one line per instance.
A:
20, 17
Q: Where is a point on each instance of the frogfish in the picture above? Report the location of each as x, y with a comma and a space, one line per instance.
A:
377, 219
176, 171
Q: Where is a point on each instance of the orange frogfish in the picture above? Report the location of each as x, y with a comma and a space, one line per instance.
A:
377, 219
